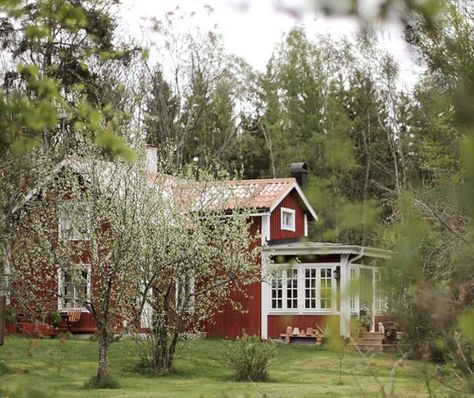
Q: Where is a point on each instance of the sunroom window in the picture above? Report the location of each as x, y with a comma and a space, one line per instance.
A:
380, 301
314, 285
326, 288
285, 290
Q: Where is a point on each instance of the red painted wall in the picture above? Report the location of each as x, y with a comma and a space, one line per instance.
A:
276, 232
229, 322
277, 324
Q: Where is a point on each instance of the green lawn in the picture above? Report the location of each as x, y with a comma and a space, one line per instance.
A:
53, 368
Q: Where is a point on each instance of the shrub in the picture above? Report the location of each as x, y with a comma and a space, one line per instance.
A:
249, 357
110, 383
4, 369
55, 319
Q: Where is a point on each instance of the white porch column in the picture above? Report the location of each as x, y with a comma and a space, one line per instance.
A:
265, 297
265, 292
372, 328
344, 294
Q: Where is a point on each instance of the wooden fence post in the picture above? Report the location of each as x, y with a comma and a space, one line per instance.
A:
3, 315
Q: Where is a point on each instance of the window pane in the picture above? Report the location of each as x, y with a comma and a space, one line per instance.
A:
326, 288
292, 288
74, 287
310, 288
277, 290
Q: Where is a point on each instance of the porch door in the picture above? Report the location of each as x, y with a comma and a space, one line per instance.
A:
367, 292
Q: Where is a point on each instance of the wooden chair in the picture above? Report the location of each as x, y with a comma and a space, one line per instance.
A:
70, 318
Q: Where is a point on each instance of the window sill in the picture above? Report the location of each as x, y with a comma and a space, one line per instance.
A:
83, 310
288, 229
303, 312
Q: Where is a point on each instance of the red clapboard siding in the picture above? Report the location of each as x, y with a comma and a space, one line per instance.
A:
277, 324
231, 323
276, 232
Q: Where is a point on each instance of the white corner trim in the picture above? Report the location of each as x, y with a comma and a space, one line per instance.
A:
265, 290
291, 227
305, 225
265, 229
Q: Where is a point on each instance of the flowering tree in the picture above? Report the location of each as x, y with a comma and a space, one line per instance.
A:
80, 243
203, 255
109, 238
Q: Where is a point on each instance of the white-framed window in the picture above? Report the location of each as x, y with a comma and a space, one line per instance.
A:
75, 219
74, 287
285, 290
291, 288
380, 300
303, 288
277, 291
185, 288
288, 222
354, 289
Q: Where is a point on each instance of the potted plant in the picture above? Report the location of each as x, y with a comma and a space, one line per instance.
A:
55, 319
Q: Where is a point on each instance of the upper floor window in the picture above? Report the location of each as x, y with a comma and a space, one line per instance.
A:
74, 220
288, 219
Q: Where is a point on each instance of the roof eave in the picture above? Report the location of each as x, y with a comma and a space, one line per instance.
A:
307, 249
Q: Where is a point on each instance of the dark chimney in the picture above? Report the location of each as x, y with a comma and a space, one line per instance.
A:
299, 171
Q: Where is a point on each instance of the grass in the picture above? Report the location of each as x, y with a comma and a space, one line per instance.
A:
60, 368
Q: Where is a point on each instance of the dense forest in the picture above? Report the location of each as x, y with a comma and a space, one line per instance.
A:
389, 166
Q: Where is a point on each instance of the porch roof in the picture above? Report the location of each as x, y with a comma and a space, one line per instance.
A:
322, 248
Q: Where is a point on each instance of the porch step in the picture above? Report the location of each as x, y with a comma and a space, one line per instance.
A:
369, 341
371, 334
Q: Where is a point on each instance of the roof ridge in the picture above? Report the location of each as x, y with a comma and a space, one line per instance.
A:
264, 180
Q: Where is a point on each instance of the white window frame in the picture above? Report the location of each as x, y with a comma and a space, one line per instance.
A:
283, 276
292, 225
192, 288
380, 298
301, 271
61, 298
66, 229
354, 280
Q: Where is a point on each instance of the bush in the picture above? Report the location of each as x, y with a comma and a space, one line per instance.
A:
250, 357
4, 369
110, 383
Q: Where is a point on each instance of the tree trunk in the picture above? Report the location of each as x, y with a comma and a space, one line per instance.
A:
103, 365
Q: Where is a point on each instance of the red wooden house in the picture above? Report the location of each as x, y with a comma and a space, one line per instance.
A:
304, 284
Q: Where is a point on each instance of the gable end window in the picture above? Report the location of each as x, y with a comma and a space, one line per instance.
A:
288, 219
75, 220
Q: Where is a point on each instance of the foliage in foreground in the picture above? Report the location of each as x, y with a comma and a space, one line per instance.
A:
250, 357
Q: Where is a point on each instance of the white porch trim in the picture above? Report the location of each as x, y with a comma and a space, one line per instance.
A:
345, 296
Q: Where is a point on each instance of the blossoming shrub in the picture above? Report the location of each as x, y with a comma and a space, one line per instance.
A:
250, 357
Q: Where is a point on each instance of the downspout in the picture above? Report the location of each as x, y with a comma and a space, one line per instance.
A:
357, 257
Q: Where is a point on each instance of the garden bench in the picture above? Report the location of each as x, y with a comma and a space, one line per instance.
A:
308, 336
